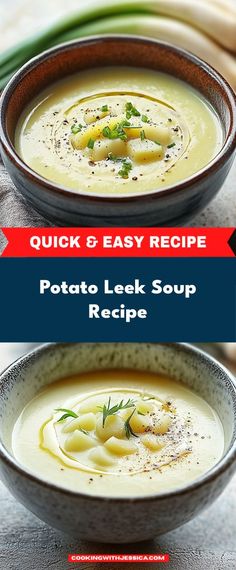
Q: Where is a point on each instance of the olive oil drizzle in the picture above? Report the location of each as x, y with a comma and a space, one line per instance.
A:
102, 94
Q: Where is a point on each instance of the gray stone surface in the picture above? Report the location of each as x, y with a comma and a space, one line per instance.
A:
208, 542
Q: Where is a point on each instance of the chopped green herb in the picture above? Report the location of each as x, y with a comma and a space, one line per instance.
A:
107, 410
126, 168
83, 431
142, 135
135, 112
116, 158
113, 157
117, 132
141, 414
91, 143
76, 129
131, 111
128, 106
104, 108
171, 145
128, 428
145, 119
124, 124
107, 132
156, 142
67, 414
126, 164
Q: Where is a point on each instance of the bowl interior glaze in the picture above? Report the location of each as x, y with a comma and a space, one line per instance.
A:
116, 50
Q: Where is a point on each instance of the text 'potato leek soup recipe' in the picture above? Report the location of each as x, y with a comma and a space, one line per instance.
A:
118, 131
127, 429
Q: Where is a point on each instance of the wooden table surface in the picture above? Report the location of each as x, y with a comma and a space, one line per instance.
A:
26, 543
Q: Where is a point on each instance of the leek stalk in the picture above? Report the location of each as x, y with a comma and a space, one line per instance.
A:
188, 25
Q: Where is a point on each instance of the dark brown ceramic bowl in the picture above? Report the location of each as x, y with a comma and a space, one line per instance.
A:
115, 519
174, 205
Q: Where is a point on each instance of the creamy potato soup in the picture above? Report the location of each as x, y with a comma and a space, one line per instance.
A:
118, 131
118, 433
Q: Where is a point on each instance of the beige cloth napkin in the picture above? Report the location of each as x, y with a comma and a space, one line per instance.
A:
14, 210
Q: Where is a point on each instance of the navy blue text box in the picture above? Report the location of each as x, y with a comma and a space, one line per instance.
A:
209, 315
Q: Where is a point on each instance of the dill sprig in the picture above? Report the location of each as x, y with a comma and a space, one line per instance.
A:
67, 414
83, 431
108, 410
128, 428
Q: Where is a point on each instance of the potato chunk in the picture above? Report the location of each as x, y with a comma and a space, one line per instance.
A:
93, 116
140, 423
102, 148
151, 442
142, 151
144, 407
86, 421
120, 446
133, 132
79, 441
113, 426
158, 133
162, 423
91, 405
101, 456
153, 133
93, 131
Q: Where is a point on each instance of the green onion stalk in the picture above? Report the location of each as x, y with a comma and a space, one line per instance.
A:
138, 17
74, 26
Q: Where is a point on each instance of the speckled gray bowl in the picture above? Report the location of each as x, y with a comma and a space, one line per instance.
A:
115, 520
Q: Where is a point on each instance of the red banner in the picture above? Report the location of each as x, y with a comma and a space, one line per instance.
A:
119, 242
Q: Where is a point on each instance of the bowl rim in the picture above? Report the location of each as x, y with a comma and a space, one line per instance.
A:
211, 475
222, 156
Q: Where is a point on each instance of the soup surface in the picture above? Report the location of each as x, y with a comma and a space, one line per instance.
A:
118, 131
118, 433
